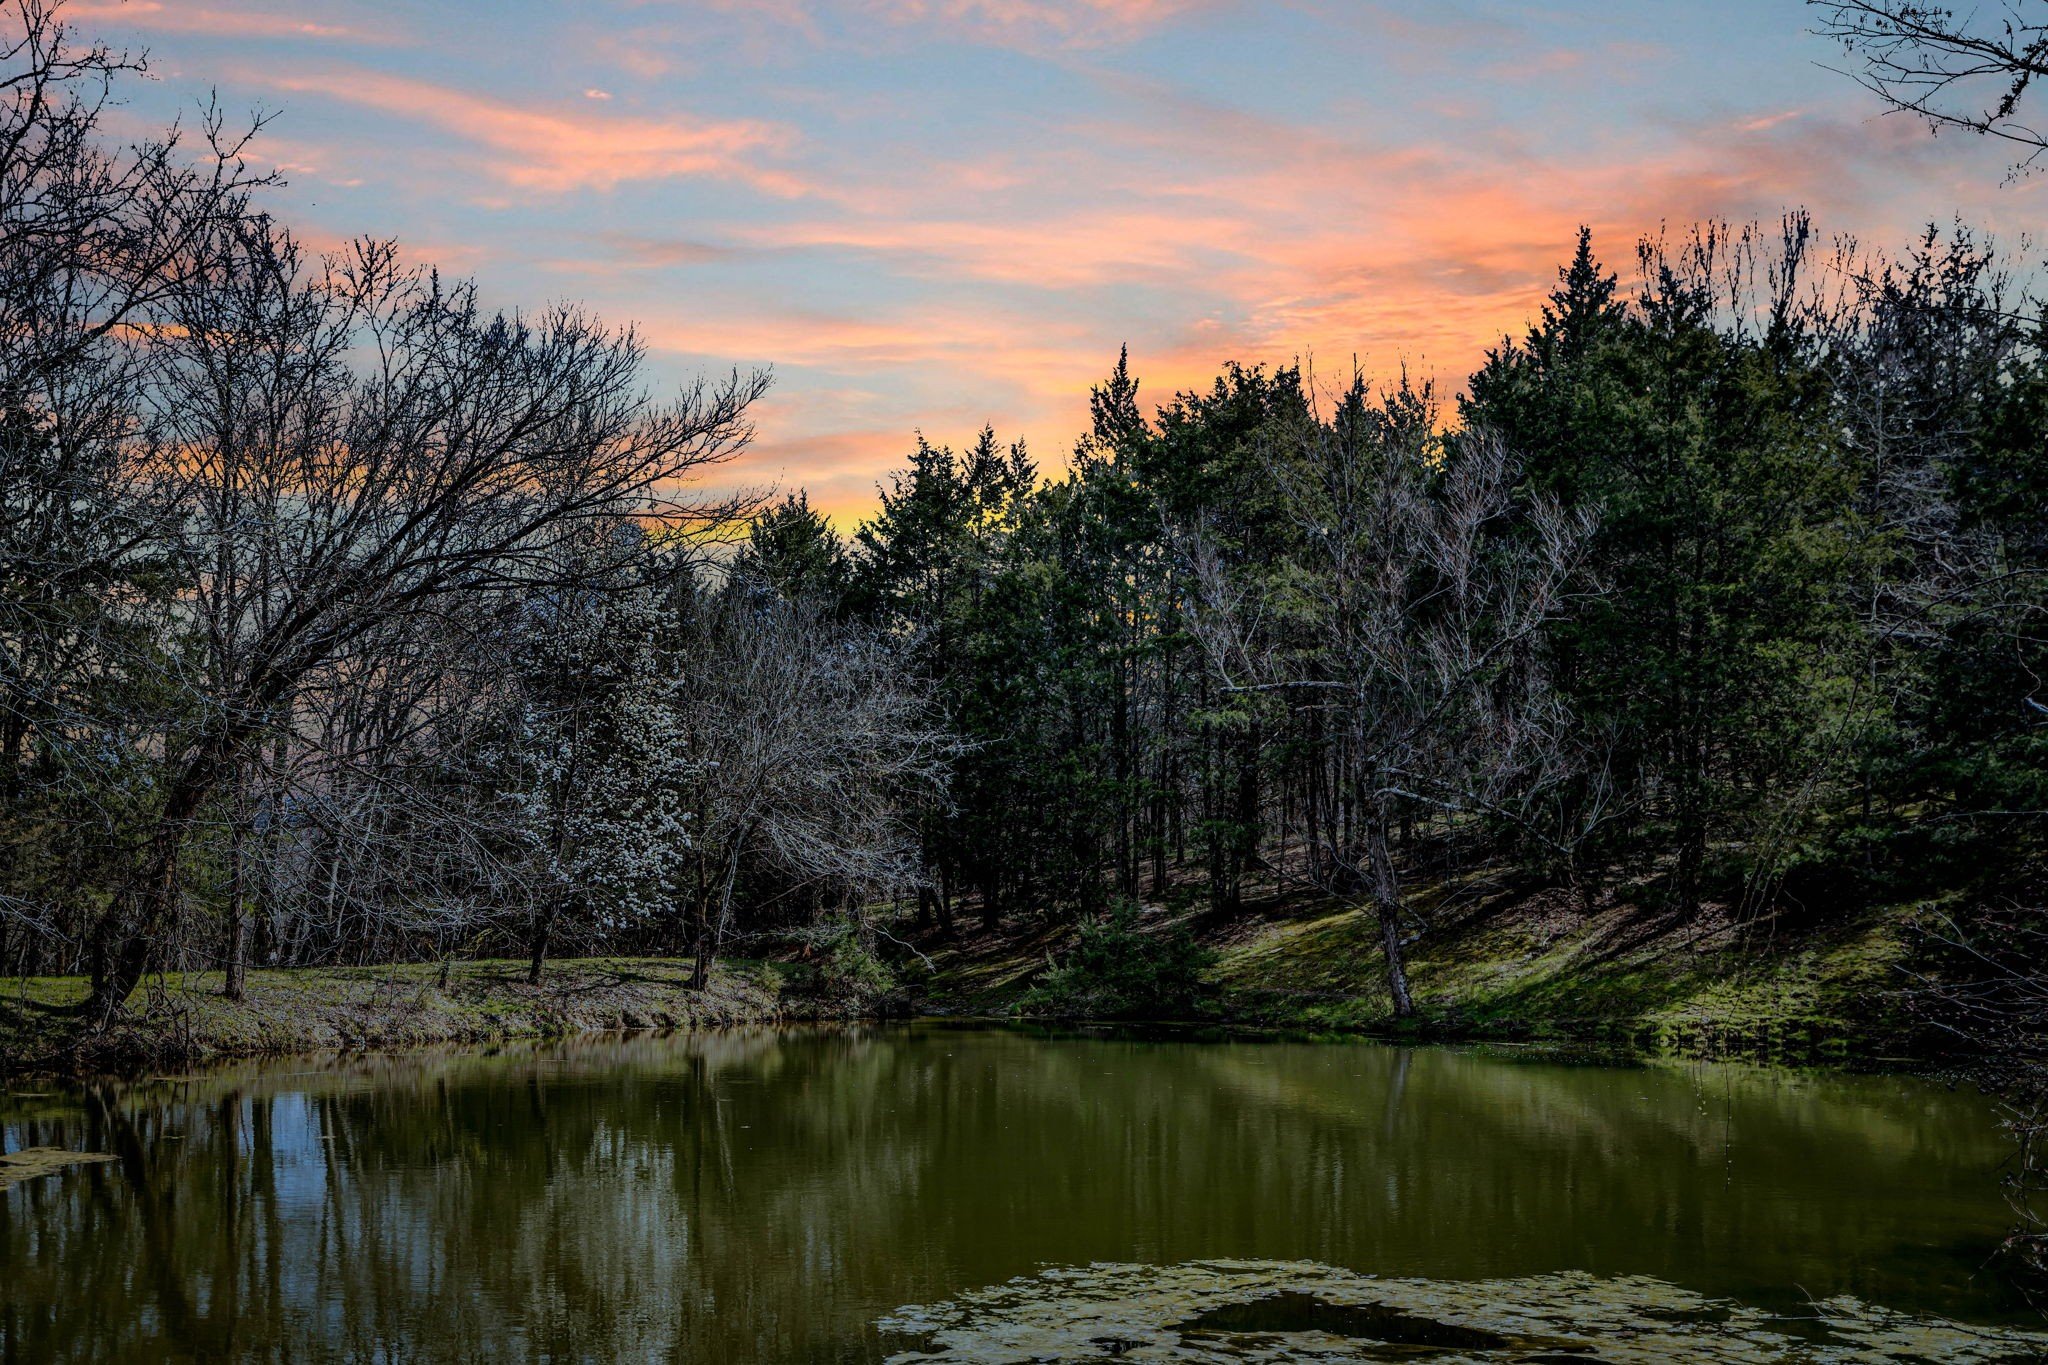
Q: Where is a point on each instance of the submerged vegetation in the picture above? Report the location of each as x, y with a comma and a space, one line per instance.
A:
27, 1163
1279, 1311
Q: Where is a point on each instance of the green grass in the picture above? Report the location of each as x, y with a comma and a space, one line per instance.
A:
182, 1018
1525, 969
1530, 968
1619, 976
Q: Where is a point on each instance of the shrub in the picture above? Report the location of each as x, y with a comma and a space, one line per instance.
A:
1117, 970
844, 967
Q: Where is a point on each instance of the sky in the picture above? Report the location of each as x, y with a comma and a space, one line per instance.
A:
935, 214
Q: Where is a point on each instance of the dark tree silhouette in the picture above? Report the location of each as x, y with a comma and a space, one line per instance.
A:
1968, 68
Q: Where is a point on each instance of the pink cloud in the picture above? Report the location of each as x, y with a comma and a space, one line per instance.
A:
838, 469
556, 151
1282, 249
1035, 356
1763, 123
1058, 251
178, 17
1026, 24
1074, 22
1285, 248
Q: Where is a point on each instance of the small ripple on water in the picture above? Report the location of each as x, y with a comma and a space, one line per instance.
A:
1272, 1311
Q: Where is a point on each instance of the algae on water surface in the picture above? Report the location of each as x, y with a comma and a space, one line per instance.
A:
1273, 1311
30, 1162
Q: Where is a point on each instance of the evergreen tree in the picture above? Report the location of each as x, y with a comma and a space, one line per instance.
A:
794, 551
1706, 451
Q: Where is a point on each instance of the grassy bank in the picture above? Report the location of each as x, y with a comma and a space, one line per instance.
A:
1520, 967
1509, 967
182, 1019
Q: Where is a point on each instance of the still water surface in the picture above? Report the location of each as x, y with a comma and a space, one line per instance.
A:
773, 1195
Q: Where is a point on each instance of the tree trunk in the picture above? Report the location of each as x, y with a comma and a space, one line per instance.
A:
710, 933
1122, 768
543, 931
1386, 899
700, 940
696, 922
128, 934
946, 899
1158, 835
233, 967
125, 935
1692, 853
238, 923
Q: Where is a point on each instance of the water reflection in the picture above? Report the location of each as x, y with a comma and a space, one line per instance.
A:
767, 1195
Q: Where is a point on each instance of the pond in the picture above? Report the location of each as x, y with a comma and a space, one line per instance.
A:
934, 1191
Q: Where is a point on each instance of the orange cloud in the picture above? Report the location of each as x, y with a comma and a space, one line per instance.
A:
1282, 249
1034, 355
559, 151
1089, 247
958, 239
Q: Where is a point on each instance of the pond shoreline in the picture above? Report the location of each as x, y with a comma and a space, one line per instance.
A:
1518, 969
183, 1020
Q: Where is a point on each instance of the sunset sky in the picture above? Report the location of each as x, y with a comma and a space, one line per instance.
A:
936, 213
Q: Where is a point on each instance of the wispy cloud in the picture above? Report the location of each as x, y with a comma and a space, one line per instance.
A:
1763, 123
1055, 251
1036, 355
558, 150
178, 17
1076, 23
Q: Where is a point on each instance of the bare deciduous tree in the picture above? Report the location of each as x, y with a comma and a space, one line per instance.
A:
362, 442
1400, 637
1968, 69
96, 234
809, 747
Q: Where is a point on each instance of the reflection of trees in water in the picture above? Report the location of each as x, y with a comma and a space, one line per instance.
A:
1448, 1163
763, 1194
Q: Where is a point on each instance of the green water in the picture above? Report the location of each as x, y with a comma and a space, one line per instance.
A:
770, 1195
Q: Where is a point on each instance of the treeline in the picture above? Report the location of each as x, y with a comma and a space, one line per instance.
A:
344, 620
1722, 592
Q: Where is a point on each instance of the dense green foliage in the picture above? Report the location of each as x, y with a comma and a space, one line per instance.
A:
1792, 665
1117, 969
